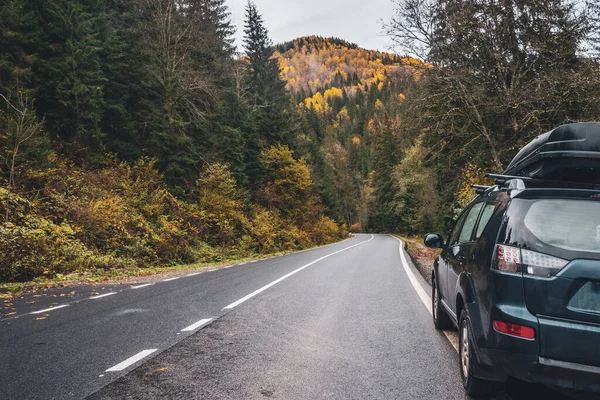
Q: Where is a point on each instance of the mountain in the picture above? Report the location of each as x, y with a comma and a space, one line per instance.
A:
347, 94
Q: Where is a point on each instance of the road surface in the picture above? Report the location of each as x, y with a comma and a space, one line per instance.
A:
349, 320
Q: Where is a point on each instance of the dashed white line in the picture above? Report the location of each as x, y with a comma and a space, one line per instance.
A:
262, 289
102, 295
49, 309
420, 292
197, 325
131, 360
170, 279
141, 286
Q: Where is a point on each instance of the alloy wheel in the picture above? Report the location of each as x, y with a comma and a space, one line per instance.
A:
464, 354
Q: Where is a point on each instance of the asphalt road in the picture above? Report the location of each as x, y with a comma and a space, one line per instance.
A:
343, 321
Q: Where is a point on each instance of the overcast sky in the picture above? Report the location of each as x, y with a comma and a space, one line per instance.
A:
356, 21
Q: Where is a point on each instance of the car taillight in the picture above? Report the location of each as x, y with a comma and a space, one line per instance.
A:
520, 331
515, 260
508, 259
538, 264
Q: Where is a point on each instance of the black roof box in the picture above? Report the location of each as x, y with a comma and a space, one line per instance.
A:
568, 153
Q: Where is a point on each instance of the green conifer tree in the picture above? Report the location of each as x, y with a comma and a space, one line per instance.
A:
69, 74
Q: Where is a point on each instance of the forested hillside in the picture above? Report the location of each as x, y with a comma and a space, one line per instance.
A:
349, 98
133, 135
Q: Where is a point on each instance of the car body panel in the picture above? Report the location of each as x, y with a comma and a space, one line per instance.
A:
558, 309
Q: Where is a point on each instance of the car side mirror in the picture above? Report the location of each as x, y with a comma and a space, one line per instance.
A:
434, 241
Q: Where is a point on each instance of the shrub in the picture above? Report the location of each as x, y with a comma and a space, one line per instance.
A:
42, 248
123, 216
324, 231
221, 205
356, 228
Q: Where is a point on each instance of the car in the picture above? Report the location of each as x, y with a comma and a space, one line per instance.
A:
519, 277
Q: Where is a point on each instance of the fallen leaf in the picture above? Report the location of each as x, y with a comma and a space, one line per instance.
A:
40, 318
163, 369
9, 314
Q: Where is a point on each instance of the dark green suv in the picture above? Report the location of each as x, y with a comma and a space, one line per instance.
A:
520, 279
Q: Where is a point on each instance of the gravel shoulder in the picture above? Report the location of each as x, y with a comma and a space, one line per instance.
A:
422, 256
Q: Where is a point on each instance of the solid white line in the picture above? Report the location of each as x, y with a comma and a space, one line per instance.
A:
194, 274
102, 295
49, 309
413, 279
141, 286
262, 289
131, 360
170, 279
197, 325
419, 289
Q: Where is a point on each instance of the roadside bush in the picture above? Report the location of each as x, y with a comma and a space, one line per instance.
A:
324, 231
123, 217
221, 208
42, 248
265, 227
356, 228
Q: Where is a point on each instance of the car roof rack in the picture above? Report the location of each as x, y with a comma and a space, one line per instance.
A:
480, 189
503, 181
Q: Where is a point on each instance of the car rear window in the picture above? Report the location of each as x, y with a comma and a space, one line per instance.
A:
568, 224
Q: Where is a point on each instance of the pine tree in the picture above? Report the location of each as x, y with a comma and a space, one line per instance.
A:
270, 98
121, 64
386, 148
17, 30
69, 74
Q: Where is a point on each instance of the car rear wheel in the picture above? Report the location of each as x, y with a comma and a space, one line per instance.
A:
475, 387
441, 320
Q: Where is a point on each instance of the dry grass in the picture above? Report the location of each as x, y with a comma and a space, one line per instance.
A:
422, 256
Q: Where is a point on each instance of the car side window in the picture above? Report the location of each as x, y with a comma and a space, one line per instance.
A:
470, 222
486, 216
454, 235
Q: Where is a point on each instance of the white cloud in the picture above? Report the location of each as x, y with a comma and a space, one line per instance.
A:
356, 21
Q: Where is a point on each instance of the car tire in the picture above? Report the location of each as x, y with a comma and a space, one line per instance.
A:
441, 320
474, 387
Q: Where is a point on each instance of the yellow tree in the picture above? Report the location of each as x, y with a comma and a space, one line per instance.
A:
288, 183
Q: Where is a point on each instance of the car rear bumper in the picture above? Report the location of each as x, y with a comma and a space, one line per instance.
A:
540, 370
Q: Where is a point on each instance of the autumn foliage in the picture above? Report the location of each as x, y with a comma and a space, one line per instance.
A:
123, 217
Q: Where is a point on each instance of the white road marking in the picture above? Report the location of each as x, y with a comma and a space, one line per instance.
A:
422, 294
101, 376
131, 360
262, 289
197, 325
49, 309
413, 280
141, 286
194, 274
170, 279
102, 295
211, 270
